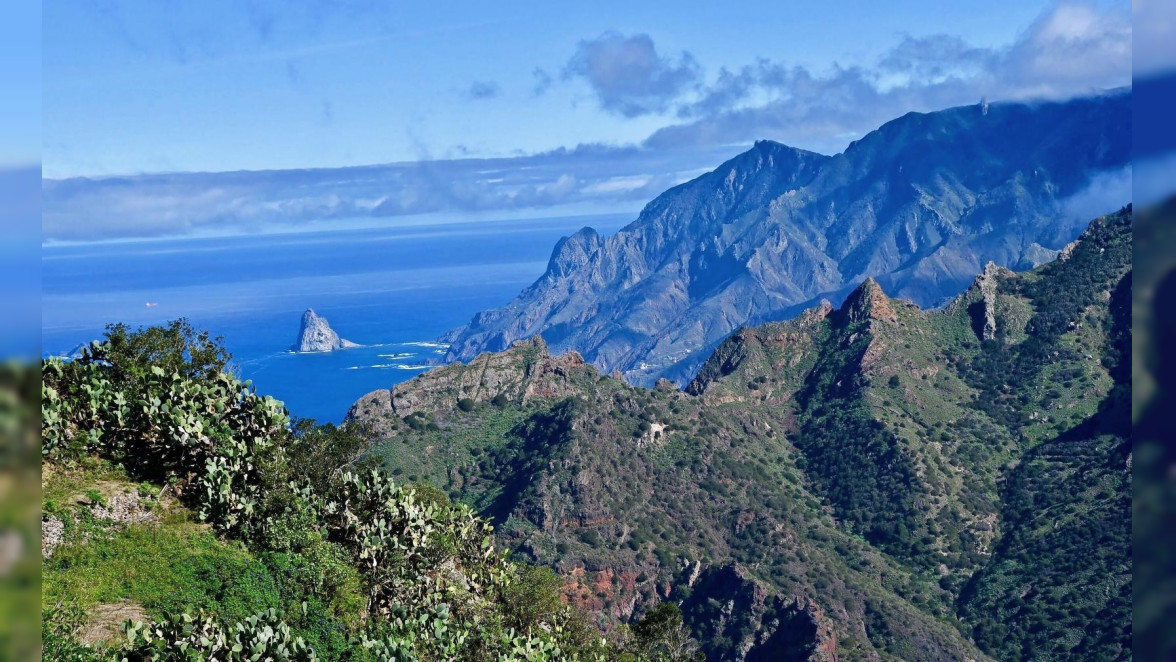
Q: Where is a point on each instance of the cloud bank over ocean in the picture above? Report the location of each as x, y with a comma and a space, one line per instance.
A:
1072, 49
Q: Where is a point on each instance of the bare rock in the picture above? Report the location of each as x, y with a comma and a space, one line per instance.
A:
316, 335
52, 533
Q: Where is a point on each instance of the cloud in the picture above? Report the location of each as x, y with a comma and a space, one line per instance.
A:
481, 89
628, 76
1154, 38
1072, 49
586, 179
1105, 192
935, 57
543, 81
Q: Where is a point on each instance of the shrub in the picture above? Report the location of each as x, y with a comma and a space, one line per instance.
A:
362, 568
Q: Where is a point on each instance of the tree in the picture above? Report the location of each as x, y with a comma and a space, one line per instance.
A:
175, 348
661, 637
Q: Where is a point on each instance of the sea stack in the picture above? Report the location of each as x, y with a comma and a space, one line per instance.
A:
316, 335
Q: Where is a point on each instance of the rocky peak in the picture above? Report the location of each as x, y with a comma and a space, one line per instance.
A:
574, 253
521, 373
868, 302
811, 316
535, 343
775, 227
316, 335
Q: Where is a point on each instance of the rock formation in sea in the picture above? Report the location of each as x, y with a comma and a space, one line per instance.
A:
316, 335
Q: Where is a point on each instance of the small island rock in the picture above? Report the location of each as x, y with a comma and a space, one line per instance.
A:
316, 335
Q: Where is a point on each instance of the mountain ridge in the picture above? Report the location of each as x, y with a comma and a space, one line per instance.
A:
921, 204
877, 461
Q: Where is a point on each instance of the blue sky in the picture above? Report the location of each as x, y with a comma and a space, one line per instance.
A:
20, 77
607, 100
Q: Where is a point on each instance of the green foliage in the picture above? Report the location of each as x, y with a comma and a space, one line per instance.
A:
1007, 374
398, 540
660, 636
59, 635
262, 636
531, 598
164, 570
175, 348
328, 562
161, 426
1059, 586
855, 462
317, 453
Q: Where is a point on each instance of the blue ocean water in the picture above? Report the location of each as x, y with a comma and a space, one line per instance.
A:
394, 290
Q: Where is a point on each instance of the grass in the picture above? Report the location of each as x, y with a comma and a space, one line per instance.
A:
166, 570
105, 573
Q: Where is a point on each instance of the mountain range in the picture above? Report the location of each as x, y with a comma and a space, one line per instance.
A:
921, 205
872, 481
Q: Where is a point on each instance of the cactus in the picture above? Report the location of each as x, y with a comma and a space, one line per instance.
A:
263, 637
433, 582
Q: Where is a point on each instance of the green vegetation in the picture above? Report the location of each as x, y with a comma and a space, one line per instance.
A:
1056, 586
889, 467
190, 508
875, 482
163, 569
852, 458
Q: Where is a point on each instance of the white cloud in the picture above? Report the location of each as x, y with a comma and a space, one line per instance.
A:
1072, 49
628, 75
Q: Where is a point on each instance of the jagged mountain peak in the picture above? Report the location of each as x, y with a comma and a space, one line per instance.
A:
867, 302
830, 461
574, 252
919, 204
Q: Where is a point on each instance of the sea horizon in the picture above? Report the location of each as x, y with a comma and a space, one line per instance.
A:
394, 290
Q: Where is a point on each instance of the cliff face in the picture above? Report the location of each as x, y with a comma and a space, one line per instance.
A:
921, 205
861, 482
316, 335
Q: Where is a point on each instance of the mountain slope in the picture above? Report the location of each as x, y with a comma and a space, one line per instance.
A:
866, 482
921, 204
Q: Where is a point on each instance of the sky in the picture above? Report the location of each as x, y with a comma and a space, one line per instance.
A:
481, 109
20, 78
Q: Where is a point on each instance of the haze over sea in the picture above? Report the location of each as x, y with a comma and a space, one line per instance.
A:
394, 290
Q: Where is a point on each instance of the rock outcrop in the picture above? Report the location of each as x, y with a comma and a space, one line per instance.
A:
316, 335
866, 482
520, 374
921, 204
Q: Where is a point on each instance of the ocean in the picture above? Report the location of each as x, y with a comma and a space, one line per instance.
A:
394, 290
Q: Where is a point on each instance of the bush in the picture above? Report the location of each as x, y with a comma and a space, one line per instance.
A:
184, 637
327, 561
465, 404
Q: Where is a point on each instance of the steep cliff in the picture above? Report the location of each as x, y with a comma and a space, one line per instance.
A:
921, 205
316, 335
873, 481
